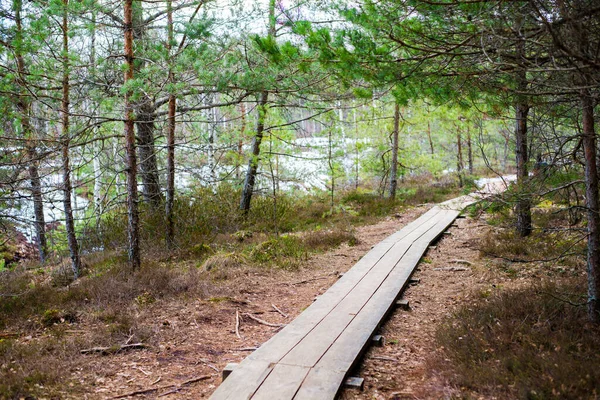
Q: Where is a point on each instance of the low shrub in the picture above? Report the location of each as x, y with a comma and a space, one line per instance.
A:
532, 343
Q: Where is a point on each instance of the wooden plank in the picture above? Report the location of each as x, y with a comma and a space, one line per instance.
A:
282, 383
243, 380
321, 383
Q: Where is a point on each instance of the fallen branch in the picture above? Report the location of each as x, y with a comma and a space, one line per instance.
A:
278, 310
246, 349
312, 279
452, 269
113, 349
465, 262
176, 387
261, 321
209, 365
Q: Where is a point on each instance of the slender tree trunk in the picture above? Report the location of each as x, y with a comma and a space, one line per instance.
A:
505, 153
132, 192
592, 205
38, 205
260, 128
145, 113
170, 138
394, 167
254, 157
66, 139
240, 146
523, 206
147, 152
429, 137
459, 157
469, 151
24, 108
212, 133
356, 150
331, 169
98, 206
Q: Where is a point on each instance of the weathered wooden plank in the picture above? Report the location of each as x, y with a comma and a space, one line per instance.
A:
243, 381
282, 383
321, 383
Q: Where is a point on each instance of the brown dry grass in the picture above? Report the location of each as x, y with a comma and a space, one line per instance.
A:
526, 343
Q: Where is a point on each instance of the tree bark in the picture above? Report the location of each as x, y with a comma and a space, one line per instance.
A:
145, 121
147, 152
66, 139
132, 192
459, 157
469, 151
592, 205
38, 205
394, 166
170, 139
24, 108
240, 146
260, 128
429, 137
523, 206
523, 203
254, 157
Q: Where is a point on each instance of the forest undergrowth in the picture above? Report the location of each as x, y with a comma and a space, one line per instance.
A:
42, 307
529, 337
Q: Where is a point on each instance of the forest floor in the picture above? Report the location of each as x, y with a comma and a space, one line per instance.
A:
196, 338
189, 339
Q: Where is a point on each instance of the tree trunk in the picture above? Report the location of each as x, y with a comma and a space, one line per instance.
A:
211, 116
38, 206
469, 151
394, 167
98, 147
254, 157
147, 152
459, 157
145, 114
24, 108
523, 206
132, 193
429, 137
170, 139
592, 205
67, 189
240, 146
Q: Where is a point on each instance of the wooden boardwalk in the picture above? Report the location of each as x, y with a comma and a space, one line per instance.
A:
310, 358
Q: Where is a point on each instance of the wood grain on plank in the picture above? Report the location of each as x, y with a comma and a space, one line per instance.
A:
282, 383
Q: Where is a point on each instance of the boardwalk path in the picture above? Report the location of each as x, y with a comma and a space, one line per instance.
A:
310, 358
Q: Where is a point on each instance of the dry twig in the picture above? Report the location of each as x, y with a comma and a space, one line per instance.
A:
175, 386
263, 322
113, 349
278, 310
